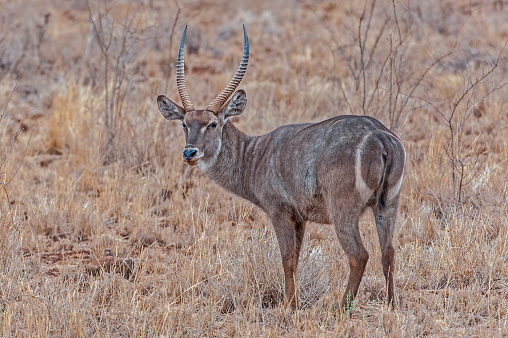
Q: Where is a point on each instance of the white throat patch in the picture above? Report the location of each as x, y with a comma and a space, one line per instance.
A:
204, 165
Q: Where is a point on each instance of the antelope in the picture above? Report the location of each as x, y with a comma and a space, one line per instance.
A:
328, 172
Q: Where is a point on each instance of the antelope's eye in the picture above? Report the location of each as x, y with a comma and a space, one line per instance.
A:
212, 125
184, 126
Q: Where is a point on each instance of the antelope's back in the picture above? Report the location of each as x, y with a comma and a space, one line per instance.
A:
346, 153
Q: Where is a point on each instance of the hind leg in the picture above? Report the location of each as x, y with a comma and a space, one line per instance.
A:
385, 216
346, 227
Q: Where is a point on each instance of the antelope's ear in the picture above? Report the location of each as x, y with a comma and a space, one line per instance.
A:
235, 106
169, 109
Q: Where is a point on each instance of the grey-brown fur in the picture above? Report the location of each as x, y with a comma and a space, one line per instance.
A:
327, 172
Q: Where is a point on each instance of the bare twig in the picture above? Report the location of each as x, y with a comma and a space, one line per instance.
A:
397, 22
4, 182
14, 89
170, 49
24, 155
5, 160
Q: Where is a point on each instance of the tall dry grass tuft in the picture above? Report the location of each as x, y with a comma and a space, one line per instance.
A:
69, 122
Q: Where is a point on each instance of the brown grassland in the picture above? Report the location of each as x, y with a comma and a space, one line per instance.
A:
104, 231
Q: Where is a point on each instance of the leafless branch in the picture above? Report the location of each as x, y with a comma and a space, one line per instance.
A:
170, 49
14, 89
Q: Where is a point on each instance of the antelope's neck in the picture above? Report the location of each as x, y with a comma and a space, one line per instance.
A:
233, 170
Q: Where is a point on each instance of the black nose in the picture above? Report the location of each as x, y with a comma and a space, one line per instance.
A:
188, 154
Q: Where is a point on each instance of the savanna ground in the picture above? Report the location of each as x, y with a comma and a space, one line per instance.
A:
105, 232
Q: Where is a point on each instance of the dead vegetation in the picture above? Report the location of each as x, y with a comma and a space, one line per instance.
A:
104, 231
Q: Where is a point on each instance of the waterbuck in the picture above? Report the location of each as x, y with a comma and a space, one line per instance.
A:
327, 172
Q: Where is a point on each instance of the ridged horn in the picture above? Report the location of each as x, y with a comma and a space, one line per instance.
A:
180, 77
226, 93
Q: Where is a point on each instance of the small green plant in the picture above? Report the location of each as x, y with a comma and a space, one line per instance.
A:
348, 308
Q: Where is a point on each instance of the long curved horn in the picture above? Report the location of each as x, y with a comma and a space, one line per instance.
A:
180, 77
226, 93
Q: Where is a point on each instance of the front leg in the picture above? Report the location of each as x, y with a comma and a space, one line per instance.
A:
289, 230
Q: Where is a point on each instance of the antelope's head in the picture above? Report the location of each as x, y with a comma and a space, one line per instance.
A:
203, 128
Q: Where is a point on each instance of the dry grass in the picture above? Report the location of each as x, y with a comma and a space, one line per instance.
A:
108, 179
